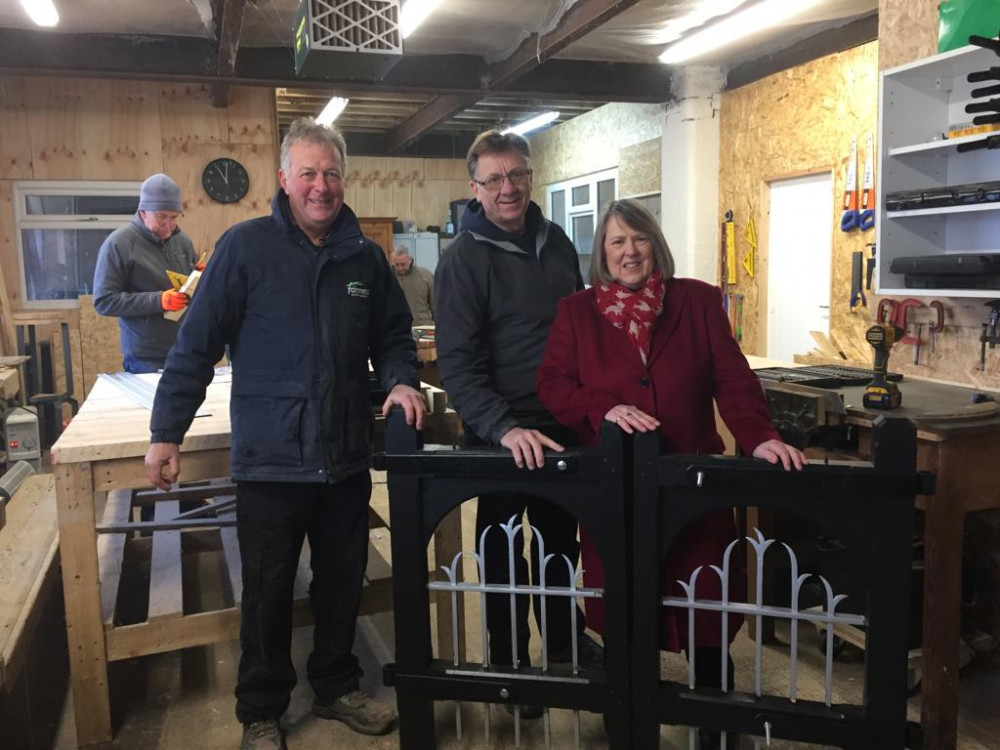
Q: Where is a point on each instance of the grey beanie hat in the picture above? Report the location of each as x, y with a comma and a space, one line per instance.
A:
160, 193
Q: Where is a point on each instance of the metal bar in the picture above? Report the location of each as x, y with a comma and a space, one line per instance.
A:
503, 588
193, 523
769, 611
205, 509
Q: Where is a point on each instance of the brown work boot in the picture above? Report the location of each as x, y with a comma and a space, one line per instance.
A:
262, 735
360, 712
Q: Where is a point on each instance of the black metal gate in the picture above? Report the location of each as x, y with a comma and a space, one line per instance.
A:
423, 487
868, 507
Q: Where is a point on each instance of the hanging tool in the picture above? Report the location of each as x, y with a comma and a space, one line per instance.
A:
870, 269
991, 332
916, 346
751, 238
739, 318
866, 219
938, 326
858, 298
894, 313
849, 219
723, 269
882, 393
730, 238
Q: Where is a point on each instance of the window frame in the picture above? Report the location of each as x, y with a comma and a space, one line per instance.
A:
590, 208
23, 220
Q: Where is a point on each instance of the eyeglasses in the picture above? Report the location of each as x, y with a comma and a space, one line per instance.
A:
493, 183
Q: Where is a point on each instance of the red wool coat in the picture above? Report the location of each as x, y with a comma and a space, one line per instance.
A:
590, 366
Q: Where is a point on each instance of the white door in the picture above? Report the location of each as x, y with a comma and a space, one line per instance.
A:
800, 239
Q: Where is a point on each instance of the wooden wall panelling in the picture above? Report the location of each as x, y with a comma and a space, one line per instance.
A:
100, 343
8, 245
796, 122
364, 188
382, 195
187, 114
249, 119
639, 168
205, 219
15, 145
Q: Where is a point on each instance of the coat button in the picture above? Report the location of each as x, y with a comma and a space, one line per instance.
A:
644, 382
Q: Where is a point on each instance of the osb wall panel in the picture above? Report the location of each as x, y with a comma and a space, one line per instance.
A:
796, 122
639, 169
591, 142
907, 31
99, 341
405, 187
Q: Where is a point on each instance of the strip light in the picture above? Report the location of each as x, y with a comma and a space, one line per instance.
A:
42, 12
755, 18
532, 124
414, 13
332, 110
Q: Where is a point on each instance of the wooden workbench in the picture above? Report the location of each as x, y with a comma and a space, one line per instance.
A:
102, 450
961, 454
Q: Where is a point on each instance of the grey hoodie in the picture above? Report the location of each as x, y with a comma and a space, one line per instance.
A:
130, 278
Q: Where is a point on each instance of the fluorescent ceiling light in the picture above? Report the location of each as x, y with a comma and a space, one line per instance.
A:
414, 13
737, 26
332, 110
533, 123
704, 13
42, 12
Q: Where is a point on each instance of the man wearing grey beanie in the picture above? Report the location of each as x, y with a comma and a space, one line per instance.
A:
131, 282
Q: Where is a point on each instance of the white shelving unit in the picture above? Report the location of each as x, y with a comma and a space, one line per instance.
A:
917, 104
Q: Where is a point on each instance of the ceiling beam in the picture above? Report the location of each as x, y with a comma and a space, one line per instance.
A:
229, 22
194, 59
579, 20
829, 42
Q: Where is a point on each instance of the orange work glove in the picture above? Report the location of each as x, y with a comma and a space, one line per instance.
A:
172, 300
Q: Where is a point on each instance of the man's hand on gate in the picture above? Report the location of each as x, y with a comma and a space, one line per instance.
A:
163, 464
412, 402
528, 446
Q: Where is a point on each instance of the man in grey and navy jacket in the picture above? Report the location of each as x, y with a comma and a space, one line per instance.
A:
303, 300
131, 282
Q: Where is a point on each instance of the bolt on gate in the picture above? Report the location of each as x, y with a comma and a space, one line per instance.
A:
868, 507
423, 487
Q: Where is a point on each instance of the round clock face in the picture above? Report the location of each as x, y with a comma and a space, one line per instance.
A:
225, 180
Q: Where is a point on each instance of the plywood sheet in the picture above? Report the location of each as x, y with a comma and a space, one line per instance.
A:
15, 146
907, 31
639, 169
188, 116
796, 122
100, 343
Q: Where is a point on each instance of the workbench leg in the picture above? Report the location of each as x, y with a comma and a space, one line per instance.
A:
82, 593
942, 619
447, 543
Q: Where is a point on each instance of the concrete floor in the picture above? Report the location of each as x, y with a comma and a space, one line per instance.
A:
184, 700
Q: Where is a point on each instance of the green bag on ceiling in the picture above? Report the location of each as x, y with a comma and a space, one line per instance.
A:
960, 19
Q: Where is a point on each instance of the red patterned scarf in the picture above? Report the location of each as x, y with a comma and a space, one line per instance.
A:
634, 311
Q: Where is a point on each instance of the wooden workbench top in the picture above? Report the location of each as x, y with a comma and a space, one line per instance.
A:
111, 425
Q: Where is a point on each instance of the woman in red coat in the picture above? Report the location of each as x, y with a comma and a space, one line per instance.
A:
647, 351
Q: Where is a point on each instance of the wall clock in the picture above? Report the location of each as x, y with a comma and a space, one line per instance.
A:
225, 180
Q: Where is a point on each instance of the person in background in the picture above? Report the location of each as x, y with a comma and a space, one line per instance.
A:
650, 352
130, 280
418, 286
497, 289
303, 300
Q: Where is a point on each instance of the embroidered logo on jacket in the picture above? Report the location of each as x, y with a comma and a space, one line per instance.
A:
358, 289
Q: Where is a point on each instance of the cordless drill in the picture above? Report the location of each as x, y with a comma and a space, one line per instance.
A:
880, 393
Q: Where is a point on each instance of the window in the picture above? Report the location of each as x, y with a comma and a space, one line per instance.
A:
575, 205
60, 228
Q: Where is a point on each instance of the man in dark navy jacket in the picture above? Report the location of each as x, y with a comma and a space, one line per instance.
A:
303, 300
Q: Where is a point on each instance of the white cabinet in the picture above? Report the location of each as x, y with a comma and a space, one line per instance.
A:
423, 246
917, 103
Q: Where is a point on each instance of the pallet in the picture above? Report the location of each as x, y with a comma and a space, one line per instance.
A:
133, 567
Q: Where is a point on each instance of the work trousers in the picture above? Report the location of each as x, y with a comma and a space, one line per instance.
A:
272, 520
558, 529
